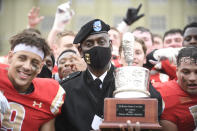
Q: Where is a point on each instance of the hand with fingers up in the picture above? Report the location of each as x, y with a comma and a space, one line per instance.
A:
34, 18
132, 15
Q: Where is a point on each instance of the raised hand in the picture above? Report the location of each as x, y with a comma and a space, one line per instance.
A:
34, 18
132, 15
63, 15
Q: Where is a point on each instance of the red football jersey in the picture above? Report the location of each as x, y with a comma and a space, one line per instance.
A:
179, 107
169, 69
29, 111
3, 65
158, 78
55, 69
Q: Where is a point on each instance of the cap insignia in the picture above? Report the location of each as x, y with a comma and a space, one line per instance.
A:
87, 58
97, 26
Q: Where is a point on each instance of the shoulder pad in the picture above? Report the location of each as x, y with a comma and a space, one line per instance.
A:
70, 76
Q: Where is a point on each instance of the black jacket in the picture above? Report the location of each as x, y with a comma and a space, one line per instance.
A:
83, 101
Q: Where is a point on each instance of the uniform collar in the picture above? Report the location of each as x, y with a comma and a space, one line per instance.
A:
102, 76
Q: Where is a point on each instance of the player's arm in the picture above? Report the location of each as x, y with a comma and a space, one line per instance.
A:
48, 126
168, 125
63, 15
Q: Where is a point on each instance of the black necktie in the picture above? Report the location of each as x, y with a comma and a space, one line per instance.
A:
99, 91
97, 82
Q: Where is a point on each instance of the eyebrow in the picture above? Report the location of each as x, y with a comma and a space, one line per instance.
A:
35, 60
99, 37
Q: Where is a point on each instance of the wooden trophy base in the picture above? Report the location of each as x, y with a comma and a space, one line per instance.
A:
117, 111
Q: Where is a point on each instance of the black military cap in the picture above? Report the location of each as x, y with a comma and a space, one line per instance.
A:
95, 26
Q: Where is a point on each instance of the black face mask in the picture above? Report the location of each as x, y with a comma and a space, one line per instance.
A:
97, 57
45, 72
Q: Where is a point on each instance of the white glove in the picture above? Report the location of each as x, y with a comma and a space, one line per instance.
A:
63, 14
157, 64
4, 105
169, 53
122, 27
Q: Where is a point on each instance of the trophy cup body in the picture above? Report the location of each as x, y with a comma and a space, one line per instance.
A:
131, 101
131, 97
131, 82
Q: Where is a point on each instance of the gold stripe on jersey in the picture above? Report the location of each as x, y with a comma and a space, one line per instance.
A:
57, 101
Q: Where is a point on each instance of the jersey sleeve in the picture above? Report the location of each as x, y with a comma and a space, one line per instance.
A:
169, 69
168, 114
58, 101
50, 91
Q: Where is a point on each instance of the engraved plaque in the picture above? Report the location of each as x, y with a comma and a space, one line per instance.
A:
117, 111
130, 110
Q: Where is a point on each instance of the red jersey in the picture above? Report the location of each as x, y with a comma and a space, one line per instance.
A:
180, 108
29, 111
157, 76
169, 69
55, 69
3, 65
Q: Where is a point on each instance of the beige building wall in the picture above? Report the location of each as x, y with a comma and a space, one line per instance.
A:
160, 15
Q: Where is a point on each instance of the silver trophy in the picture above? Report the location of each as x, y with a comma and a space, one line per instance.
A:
131, 102
131, 81
127, 45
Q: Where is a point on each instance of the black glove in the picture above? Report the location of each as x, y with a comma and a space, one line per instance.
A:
132, 15
149, 57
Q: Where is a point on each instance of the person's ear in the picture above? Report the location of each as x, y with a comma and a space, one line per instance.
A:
10, 57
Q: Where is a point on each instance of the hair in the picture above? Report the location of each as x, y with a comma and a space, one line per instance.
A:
66, 51
142, 44
193, 24
52, 57
114, 28
139, 41
143, 29
63, 34
157, 35
173, 31
32, 39
33, 30
190, 51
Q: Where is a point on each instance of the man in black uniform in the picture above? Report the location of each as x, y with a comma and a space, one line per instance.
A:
85, 91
